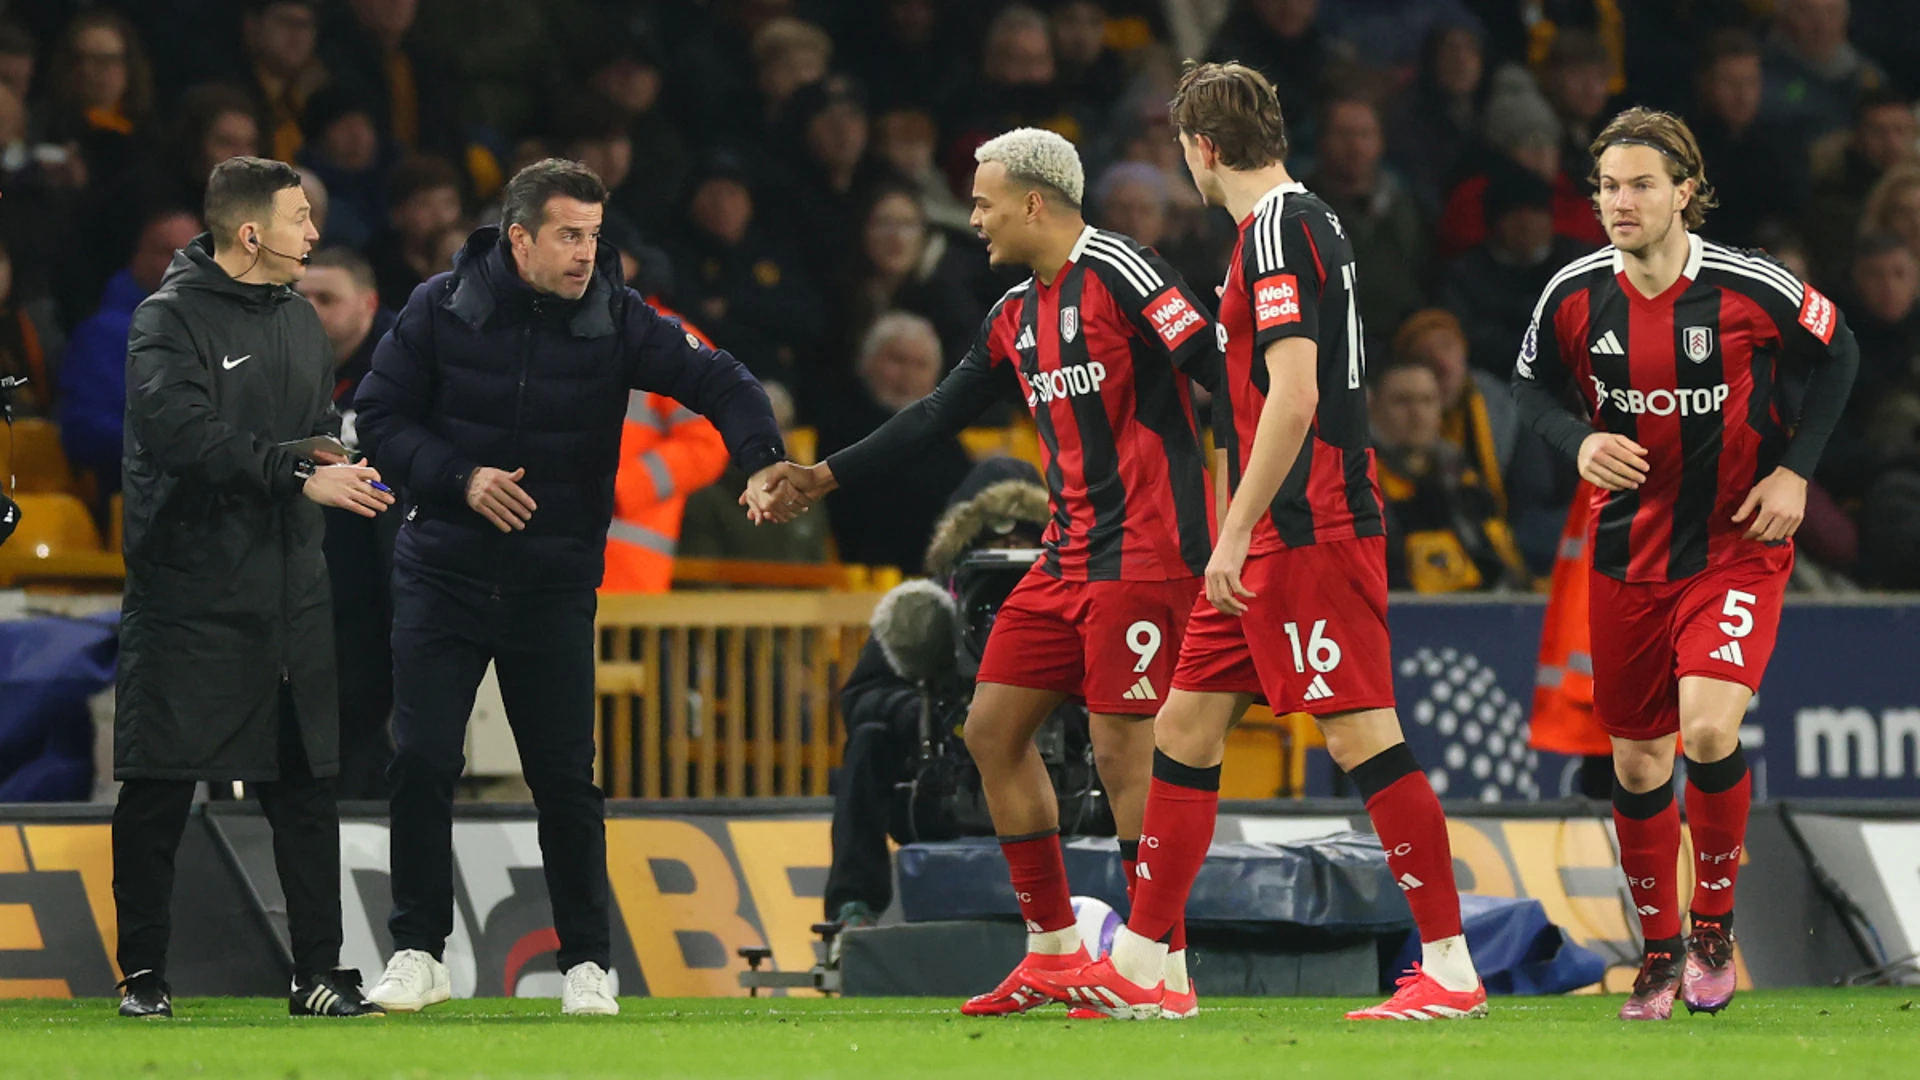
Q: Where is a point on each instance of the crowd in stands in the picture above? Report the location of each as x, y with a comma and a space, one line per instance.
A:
793, 177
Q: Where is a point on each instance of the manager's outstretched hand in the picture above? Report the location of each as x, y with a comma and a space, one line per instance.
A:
781, 492
497, 496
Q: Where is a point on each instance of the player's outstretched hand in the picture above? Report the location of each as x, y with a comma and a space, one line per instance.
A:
348, 487
1224, 590
776, 494
1781, 502
1613, 462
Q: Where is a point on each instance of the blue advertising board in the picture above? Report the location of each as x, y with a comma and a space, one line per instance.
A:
1838, 714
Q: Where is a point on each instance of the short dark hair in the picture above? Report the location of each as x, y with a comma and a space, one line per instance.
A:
525, 201
1875, 244
243, 188
1880, 97
420, 172
1236, 107
354, 263
1728, 43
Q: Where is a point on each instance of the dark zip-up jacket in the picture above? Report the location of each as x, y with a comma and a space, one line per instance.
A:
483, 370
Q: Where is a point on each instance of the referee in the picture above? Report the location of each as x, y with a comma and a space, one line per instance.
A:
226, 640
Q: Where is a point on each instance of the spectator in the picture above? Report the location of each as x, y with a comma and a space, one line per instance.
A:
1091, 76
345, 151
23, 353
1886, 320
787, 55
18, 53
423, 200
1390, 33
1494, 286
1281, 40
907, 141
279, 37
359, 550
1476, 409
899, 364
1574, 80
904, 265
1885, 134
43, 184
1444, 528
1018, 88
908, 58
102, 92
216, 122
593, 131
1759, 171
714, 527
1521, 127
629, 76
1894, 206
412, 99
1438, 118
1814, 76
739, 283
1389, 240
489, 53
93, 380
819, 197
1131, 198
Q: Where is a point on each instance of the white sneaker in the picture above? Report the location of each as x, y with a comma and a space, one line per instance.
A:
587, 992
413, 980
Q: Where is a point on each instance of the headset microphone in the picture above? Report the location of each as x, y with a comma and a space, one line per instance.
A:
303, 260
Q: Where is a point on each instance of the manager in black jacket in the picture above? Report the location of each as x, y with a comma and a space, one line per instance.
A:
497, 403
226, 641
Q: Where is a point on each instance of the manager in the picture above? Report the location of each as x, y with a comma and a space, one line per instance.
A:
497, 403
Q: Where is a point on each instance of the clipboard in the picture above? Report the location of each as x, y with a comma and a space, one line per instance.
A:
307, 447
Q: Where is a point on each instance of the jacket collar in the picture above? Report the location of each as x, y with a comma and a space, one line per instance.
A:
486, 280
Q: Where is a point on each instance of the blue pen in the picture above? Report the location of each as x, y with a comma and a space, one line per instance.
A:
378, 486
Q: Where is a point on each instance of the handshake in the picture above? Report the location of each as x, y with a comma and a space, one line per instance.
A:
781, 492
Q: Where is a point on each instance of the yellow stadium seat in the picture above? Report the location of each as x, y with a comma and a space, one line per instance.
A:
51, 526
37, 461
116, 523
803, 444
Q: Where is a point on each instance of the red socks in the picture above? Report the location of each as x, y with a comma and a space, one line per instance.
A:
1181, 806
1648, 827
1129, 860
1413, 831
1039, 874
1719, 794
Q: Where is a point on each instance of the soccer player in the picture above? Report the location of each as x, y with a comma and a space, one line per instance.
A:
1686, 356
1101, 342
1296, 592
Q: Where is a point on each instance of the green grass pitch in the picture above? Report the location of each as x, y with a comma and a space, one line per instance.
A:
1849, 1034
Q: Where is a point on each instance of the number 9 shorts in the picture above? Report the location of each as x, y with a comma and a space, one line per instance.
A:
1111, 643
1313, 639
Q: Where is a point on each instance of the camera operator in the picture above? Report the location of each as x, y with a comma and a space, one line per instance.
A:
1001, 504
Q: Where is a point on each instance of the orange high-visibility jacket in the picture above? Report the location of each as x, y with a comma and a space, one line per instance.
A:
667, 452
1563, 720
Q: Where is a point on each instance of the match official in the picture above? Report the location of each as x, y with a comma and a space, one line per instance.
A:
497, 403
226, 640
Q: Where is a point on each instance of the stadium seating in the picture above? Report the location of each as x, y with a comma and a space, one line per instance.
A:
56, 541
34, 456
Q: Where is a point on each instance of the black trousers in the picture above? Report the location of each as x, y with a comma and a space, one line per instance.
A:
542, 648
876, 759
150, 818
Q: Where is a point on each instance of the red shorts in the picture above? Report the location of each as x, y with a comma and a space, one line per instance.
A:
1110, 643
1314, 638
1647, 637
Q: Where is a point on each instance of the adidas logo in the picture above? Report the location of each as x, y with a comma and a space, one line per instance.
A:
1608, 345
1140, 871
1647, 909
1318, 689
1026, 338
1408, 883
1141, 691
1729, 654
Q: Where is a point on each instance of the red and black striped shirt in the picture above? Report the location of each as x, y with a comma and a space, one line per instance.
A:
1736, 369
1292, 275
1102, 356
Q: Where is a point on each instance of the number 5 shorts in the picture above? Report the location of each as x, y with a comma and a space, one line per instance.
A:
1647, 636
1313, 639
1111, 643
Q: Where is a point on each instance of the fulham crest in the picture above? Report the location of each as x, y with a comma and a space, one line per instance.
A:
1699, 343
1069, 324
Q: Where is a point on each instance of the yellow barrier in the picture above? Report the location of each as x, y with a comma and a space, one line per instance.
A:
725, 694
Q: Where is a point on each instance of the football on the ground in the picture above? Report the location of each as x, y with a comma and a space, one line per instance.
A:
1098, 922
